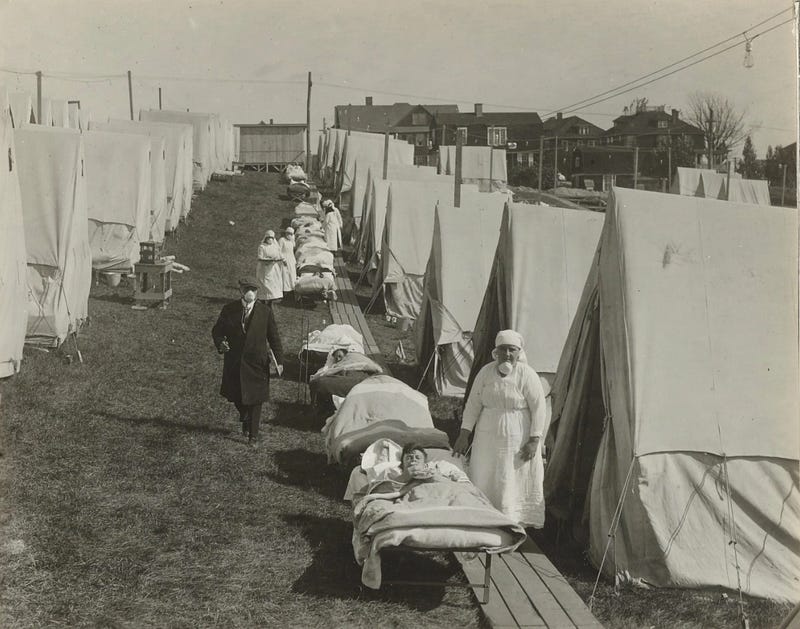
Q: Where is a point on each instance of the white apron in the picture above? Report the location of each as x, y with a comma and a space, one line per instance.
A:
512, 485
289, 269
269, 272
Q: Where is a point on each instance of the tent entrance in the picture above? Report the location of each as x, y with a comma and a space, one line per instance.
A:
577, 428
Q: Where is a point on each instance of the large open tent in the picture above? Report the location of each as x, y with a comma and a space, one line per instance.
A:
540, 266
54, 203
675, 403
13, 259
118, 181
462, 251
484, 166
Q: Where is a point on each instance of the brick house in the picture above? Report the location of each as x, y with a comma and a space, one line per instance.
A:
413, 123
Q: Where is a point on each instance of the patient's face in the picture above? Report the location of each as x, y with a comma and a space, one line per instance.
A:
338, 355
414, 458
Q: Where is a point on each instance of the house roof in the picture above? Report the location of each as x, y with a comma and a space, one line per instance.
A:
268, 124
568, 126
498, 118
380, 117
646, 122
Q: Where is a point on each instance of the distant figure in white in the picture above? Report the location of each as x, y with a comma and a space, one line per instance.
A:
269, 268
332, 225
289, 269
506, 410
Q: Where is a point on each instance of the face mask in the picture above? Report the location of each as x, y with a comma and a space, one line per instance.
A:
505, 368
249, 296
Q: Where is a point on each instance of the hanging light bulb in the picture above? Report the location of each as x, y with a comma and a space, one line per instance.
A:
748, 56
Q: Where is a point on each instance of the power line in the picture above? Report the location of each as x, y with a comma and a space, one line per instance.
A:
694, 63
671, 65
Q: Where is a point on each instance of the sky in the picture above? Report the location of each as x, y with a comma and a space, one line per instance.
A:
249, 59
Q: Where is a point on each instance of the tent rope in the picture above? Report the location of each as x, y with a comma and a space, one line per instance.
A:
734, 542
612, 529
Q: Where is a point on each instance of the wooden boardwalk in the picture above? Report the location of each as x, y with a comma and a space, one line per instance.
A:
345, 308
526, 588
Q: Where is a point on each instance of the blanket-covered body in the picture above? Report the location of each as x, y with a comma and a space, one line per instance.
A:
428, 515
380, 407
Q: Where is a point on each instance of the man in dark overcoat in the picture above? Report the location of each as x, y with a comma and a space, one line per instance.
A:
246, 333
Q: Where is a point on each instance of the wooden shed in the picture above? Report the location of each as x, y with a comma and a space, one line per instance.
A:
266, 145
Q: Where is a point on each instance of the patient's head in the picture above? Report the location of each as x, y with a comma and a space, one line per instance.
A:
414, 455
338, 354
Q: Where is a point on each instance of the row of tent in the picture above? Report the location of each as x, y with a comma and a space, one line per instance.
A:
709, 184
74, 200
666, 332
346, 160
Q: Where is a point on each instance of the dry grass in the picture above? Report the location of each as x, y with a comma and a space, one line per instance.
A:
128, 500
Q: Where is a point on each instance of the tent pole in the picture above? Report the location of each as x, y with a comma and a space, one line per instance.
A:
783, 189
457, 184
385, 154
555, 166
130, 93
159, 99
491, 156
635, 166
308, 125
39, 96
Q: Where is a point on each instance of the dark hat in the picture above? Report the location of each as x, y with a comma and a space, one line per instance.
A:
248, 282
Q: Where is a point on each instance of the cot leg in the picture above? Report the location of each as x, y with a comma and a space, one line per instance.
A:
487, 578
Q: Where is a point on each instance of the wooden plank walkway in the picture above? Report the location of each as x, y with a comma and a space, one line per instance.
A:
527, 590
345, 308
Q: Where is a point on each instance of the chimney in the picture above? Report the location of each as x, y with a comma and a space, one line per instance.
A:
559, 116
271, 121
478, 109
675, 113
368, 101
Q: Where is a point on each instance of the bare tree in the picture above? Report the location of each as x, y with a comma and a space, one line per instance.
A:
722, 125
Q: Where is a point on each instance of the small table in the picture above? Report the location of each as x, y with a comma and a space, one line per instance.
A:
152, 283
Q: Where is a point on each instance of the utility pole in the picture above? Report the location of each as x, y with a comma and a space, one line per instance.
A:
491, 155
669, 163
130, 93
555, 165
731, 166
308, 125
783, 190
457, 178
541, 160
711, 137
635, 166
39, 96
385, 154
159, 99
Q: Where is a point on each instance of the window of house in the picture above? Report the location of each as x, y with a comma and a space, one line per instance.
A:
592, 143
419, 119
496, 136
583, 130
663, 124
462, 133
420, 139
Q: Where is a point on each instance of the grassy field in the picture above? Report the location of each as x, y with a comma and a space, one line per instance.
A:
127, 498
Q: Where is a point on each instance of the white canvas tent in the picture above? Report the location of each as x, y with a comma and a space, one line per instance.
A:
753, 191
176, 159
21, 108
118, 183
53, 191
540, 266
334, 145
407, 235
483, 166
675, 405
711, 185
368, 147
178, 142
47, 113
462, 251
370, 222
60, 113
687, 180
13, 257
203, 139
